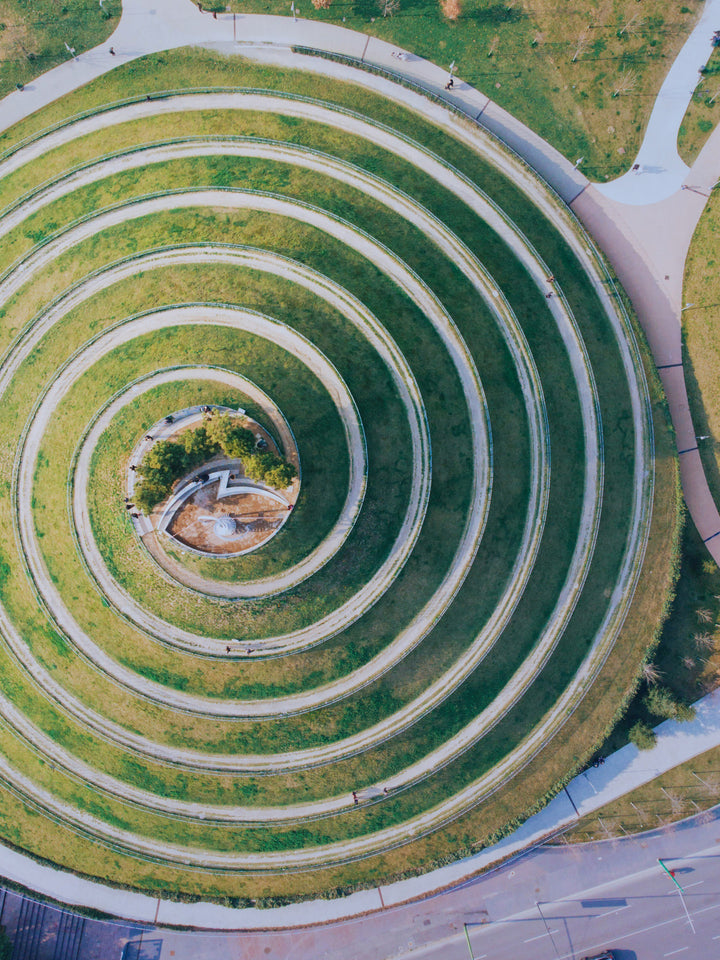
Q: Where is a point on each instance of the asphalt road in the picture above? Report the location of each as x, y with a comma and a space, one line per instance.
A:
554, 903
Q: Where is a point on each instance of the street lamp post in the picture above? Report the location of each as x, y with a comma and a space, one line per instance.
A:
671, 874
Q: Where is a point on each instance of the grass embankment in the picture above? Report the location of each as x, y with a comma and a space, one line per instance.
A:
701, 341
702, 113
35, 37
474, 601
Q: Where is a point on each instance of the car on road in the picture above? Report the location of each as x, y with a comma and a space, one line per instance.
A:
605, 955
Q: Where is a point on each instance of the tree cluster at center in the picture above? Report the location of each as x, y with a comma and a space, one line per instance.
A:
168, 460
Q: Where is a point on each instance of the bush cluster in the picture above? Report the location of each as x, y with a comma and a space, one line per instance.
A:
167, 460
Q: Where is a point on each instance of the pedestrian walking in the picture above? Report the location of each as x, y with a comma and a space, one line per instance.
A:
112, 52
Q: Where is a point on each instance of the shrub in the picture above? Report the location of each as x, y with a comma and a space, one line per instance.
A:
642, 735
6, 947
270, 469
451, 9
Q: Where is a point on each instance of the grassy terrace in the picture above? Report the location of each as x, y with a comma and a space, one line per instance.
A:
324, 461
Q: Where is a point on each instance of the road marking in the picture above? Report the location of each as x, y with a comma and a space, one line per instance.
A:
673, 952
696, 884
652, 926
616, 910
535, 938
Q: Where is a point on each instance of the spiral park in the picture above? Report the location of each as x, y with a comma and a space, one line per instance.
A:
385, 657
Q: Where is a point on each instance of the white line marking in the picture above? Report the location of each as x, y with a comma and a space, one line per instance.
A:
673, 952
696, 884
535, 938
611, 912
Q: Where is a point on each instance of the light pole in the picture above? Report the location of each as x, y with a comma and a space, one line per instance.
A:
467, 937
671, 874
547, 929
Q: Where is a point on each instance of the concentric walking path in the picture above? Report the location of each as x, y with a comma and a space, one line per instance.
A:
186, 27
538, 271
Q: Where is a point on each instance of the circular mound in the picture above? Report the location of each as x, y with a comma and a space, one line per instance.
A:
432, 640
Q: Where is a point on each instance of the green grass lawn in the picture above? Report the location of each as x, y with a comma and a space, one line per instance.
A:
702, 113
33, 37
701, 345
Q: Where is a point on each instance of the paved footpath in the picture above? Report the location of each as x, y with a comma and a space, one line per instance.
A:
648, 260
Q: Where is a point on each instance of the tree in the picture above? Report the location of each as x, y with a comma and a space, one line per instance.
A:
642, 735
235, 440
388, 7
281, 475
148, 495
662, 702
625, 82
163, 463
650, 673
270, 469
198, 446
6, 947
